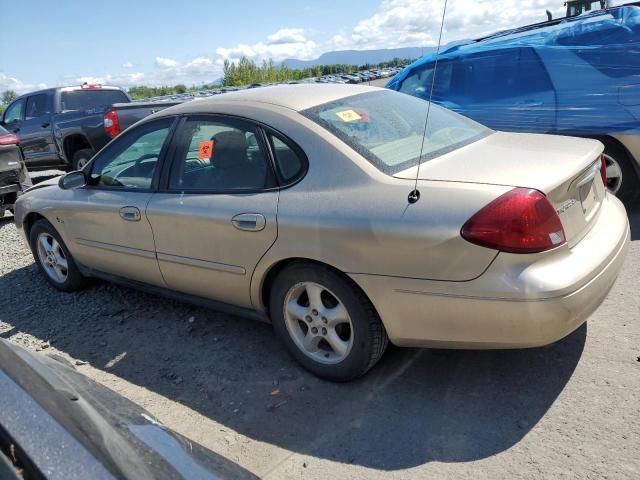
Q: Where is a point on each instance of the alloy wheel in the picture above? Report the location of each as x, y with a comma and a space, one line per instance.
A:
614, 174
52, 258
318, 322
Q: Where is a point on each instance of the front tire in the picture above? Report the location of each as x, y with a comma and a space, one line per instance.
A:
326, 322
53, 257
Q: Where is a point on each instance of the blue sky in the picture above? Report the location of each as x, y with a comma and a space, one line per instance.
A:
50, 43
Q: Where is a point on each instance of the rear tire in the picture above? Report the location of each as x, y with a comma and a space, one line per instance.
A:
53, 258
81, 158
622, 178
326, 322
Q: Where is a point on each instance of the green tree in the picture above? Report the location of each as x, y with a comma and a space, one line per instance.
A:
8, 96
180, 88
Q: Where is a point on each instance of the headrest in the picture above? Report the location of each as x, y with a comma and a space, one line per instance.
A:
230, 140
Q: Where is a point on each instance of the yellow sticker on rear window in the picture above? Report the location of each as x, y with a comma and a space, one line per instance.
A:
349, 116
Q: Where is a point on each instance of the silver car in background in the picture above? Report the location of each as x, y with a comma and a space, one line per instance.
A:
292, 203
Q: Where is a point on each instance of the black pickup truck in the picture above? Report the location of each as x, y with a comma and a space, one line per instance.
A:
64, 127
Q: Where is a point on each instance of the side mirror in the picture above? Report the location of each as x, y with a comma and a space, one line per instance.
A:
72, 180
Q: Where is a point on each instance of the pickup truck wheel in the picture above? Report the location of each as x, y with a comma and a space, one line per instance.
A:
53, 257
81, 158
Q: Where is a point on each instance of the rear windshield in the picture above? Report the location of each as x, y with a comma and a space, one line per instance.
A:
387, 128
88, 99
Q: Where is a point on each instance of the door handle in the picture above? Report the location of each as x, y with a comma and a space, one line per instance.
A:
45, 124
251, 222
130, 214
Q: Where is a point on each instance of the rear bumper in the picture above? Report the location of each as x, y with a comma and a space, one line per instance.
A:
520, 301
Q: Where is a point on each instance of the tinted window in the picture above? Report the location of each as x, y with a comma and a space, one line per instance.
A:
37, 106
130, 161
14, 112
482, 77
88, 99
289, 162
498, 74
387, 128
218, 155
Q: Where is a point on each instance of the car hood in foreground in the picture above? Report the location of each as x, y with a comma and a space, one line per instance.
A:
69, 426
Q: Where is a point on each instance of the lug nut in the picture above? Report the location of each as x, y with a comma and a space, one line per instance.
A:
314, 311
308, 319
314, 330
324, 331
324, 319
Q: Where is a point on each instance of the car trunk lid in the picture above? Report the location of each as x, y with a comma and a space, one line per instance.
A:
565, 169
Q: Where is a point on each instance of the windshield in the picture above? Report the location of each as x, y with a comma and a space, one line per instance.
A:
87, 99
387, 128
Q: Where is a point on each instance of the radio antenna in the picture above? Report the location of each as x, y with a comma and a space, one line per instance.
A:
414, 195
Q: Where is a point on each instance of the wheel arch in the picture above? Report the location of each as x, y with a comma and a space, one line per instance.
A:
29, 220
72, 143
264, 288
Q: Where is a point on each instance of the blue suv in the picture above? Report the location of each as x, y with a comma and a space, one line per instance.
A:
575, 76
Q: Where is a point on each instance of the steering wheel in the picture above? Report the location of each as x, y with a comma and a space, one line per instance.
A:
144, 157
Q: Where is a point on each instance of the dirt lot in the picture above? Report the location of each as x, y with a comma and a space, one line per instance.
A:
569, 410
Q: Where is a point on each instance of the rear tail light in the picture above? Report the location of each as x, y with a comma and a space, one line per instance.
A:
603, 169
111, 123
9, 139
520, 221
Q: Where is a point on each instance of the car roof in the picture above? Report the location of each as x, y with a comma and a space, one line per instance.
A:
295, 97
70, 88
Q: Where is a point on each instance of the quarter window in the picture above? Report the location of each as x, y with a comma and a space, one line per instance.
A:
219, 155
130, 161
289, 163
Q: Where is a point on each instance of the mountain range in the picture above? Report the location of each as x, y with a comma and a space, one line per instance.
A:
359, 57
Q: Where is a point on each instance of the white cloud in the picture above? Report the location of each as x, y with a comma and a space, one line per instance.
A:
164, 62
395, 23
119, 79
18, 86
287, 35
285, 43
398, 23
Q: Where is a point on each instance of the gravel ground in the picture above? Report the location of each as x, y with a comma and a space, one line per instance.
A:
570, 410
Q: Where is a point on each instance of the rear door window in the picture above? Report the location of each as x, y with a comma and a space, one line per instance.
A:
37, 106
498, 74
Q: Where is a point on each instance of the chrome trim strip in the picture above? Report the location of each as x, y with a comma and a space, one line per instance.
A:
194, 262
115, 248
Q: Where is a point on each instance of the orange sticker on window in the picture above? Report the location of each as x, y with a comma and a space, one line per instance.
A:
205, 150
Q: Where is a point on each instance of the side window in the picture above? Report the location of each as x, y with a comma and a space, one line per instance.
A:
500, 74
289, 162
14, 112
219, 155
130, 161
418, 83
36, 106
